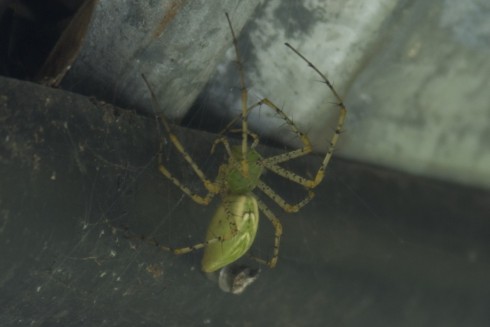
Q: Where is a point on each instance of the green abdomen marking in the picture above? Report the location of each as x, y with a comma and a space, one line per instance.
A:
235, 222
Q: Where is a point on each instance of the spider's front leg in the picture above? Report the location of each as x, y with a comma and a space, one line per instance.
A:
281, 202
212, 188
272, 163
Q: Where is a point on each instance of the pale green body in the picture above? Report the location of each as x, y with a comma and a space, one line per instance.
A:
236, 219
235, 210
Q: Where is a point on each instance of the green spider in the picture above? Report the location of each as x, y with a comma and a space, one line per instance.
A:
233, 227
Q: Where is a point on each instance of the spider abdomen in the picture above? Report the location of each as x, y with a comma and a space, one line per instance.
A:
231, 232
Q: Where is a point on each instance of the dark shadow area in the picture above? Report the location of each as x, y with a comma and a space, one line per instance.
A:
28, 32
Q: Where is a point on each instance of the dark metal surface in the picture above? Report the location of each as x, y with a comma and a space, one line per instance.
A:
374, 248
